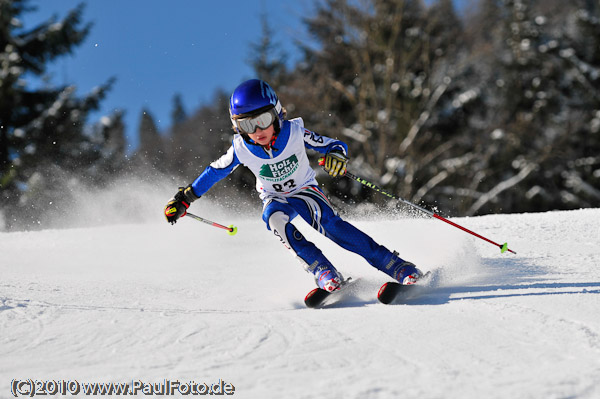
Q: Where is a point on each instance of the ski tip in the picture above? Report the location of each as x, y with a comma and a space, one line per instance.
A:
232, 230
388, 292
315, 297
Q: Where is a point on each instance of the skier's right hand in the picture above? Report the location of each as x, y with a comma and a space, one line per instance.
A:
178, 205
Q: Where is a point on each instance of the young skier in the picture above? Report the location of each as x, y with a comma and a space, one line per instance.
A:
274, 149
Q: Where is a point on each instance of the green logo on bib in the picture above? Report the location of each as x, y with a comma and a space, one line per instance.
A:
279, 171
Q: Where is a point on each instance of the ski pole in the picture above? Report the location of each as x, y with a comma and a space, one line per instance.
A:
231, 229
503, 247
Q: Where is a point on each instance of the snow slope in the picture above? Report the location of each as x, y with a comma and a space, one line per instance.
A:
149, 302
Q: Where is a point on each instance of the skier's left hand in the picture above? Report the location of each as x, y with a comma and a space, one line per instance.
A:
335, 163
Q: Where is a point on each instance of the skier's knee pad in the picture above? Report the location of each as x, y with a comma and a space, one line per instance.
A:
305, 251
273, 207
276, 223
279, 224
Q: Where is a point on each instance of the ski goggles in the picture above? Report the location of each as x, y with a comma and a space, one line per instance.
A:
250, 124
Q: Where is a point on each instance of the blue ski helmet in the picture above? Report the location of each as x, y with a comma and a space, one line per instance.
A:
253, 97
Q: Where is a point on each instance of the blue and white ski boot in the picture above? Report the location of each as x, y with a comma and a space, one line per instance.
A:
406, 273
328, 278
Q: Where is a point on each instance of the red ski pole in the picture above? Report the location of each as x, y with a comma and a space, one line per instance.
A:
503, 247
231, 229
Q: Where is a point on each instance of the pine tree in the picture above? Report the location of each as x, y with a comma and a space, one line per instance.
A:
378, 82
544, 98
111, 132
41, 129
195, 143
265, 58
178, 114
151, 152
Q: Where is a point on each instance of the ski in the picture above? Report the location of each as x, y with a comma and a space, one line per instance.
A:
317, 296
391, 290
394, 291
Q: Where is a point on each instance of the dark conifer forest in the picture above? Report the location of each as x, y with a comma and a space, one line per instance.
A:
495, 109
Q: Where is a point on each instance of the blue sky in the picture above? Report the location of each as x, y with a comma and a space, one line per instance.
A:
156, 49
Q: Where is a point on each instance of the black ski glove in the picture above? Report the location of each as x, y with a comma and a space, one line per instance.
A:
335, 163
178, 205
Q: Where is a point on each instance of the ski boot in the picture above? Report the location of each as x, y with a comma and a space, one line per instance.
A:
406, 273
328, 281
327, 278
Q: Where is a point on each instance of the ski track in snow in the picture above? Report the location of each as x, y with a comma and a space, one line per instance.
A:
188, 302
